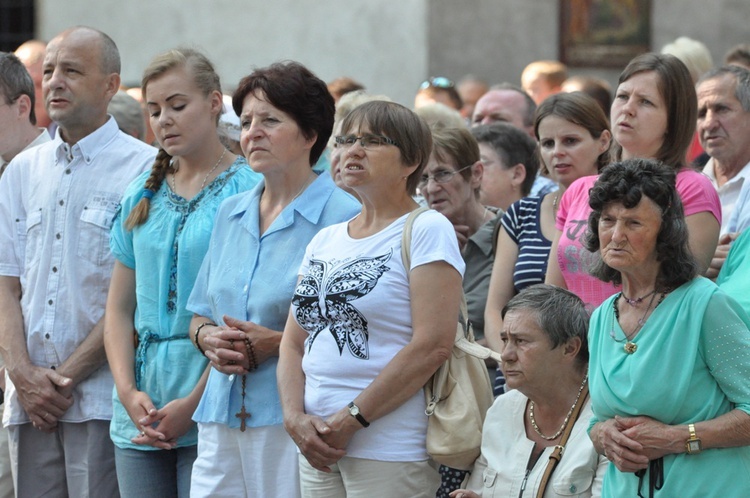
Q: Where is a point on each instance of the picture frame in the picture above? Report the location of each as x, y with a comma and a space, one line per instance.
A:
603, 33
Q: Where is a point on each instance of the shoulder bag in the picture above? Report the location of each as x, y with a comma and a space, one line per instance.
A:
459, 393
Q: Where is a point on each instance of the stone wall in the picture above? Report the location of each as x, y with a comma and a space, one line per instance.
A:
390, 46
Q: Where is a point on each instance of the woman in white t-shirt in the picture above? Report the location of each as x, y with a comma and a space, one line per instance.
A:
364, 333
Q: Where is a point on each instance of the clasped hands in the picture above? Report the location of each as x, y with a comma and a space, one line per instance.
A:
631, 442
225, 345
322, 442
161, 427
44, 394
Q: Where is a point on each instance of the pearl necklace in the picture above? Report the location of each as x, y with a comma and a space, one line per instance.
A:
567, 417
205, 179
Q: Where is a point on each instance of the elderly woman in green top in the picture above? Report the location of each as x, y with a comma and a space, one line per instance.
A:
669, 370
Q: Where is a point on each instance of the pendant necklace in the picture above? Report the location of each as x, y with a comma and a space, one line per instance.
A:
567, 417
205, 179
630, 347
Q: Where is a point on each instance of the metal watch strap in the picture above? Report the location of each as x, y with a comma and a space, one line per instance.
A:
692, 441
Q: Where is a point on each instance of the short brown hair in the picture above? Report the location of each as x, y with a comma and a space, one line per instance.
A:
403, 126
458, 146
296, 91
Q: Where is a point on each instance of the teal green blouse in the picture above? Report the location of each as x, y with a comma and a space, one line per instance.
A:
692, 364
166, 253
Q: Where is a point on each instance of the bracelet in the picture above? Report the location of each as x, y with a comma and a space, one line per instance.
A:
197, 332
251, 351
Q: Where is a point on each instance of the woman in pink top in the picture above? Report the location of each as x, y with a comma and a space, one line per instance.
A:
653, 116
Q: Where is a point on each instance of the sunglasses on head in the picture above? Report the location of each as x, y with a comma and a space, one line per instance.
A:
437, 82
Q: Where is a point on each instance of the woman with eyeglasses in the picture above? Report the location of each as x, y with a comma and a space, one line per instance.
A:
450, 185
365, 333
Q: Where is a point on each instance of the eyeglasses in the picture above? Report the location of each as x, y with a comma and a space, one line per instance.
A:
366, 141
440, 177
437, 82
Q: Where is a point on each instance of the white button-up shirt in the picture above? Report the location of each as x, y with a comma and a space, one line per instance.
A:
729, 193
57, 203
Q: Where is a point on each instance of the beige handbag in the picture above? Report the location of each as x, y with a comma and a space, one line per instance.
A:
459, 394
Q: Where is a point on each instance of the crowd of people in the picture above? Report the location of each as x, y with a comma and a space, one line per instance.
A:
208, 296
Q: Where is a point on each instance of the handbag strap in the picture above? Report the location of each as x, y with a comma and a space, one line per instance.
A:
461, 342
557, 453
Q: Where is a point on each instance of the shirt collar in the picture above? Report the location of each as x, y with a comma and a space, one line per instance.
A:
89, 146
709, 171
309, 204
485, 236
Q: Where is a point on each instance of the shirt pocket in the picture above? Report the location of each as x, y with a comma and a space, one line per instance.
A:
30, 238
489, 480
93, 239
574, 484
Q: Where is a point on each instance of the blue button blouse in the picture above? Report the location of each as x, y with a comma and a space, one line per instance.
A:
252, 277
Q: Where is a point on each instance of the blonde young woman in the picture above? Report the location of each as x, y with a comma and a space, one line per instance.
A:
574, 139
158, 239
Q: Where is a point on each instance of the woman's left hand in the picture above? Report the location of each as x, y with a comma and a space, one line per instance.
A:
657, 439
174, 420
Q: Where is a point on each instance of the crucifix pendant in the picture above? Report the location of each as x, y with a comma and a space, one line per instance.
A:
242, 415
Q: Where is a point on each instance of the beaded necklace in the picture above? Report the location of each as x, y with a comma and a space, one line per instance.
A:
567, 417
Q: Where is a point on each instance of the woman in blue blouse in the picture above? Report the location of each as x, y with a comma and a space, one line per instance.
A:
574, 137
242, 294
158, 239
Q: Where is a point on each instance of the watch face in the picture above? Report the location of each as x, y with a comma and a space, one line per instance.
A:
354, 410
694, 446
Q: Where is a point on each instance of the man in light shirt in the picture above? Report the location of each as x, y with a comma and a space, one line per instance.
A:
724, 132
18, 132
57, 202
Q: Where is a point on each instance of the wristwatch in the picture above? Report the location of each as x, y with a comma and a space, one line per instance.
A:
354, 412
693, 444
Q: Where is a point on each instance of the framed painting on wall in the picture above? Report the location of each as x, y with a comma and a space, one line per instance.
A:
603, 33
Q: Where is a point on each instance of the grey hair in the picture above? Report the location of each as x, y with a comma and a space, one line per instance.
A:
741, 79
559, 313
128, 113
15, 81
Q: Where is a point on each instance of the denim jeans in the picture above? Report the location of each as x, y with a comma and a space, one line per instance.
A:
158, 473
